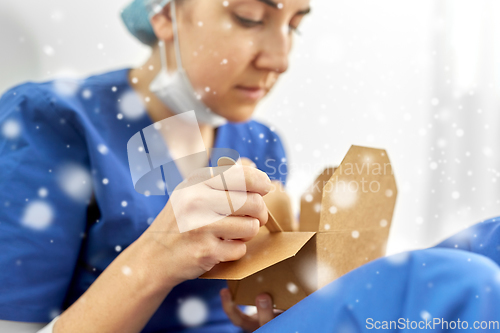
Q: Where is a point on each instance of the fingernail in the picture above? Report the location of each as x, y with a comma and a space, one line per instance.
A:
263, 303
270, 185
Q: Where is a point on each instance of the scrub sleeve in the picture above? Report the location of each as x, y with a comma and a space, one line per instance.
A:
459, 279
41, 226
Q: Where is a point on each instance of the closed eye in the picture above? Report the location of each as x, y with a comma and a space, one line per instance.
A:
247, 22
252, 23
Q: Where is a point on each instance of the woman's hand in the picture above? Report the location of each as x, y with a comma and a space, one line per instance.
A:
187, 255
265, 311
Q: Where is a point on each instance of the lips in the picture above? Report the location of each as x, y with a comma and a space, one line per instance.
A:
251, 92
250, 88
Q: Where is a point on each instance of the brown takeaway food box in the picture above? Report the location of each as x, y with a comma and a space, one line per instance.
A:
345, 217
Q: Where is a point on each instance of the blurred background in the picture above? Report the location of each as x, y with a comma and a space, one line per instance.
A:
419, 78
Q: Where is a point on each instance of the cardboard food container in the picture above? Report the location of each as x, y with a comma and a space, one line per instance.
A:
344, 223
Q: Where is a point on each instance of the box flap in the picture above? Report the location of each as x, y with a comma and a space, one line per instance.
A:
361, 194
272, 224
310, 202
264, 250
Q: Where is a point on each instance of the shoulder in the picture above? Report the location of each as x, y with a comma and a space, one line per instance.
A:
29, 107
23, 107
27, 94
104, 85
61, 101
67, 90
107, 79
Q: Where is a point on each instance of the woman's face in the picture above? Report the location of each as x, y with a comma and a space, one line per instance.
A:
234, 51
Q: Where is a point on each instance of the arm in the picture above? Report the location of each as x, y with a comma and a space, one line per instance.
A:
132, 287
130, 290
124, 296
133, 294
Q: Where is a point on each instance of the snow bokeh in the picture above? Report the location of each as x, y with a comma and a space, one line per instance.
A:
11, 129
103, 149
192, 311
43, 192
37, 215
86, 93
398, 259
66, 86
130, 105
126, 270
344, 194
292, 287
425, 315
75, 181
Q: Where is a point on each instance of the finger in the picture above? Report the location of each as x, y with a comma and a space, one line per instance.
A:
235, 314
253, 206
247, 204
235, 227
265, 311
240, 178
230, 250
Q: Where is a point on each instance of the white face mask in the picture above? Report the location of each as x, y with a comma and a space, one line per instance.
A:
176, 92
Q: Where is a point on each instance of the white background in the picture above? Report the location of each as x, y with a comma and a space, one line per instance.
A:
418, 78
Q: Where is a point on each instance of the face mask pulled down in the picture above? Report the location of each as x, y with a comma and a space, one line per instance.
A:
176, 91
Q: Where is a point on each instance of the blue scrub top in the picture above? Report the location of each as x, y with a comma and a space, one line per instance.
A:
67, 202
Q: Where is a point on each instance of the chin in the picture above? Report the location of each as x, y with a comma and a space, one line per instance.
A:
238, 114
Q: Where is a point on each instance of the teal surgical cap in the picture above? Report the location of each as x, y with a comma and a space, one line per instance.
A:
136, 18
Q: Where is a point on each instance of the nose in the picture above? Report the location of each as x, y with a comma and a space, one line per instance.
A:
274, 49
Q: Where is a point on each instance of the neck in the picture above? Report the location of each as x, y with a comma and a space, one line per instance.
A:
143, 76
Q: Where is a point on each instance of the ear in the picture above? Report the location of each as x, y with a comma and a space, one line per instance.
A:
162, 24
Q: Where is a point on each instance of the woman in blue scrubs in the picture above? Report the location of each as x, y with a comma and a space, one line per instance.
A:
77, 242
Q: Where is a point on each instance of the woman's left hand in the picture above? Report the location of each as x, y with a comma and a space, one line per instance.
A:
265, 311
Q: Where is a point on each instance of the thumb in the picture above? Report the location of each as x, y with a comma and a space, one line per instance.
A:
265, 311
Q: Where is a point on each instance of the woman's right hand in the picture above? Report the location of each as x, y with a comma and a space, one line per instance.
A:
189, 254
